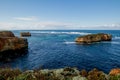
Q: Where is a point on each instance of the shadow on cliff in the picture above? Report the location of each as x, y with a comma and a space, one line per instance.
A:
9, 55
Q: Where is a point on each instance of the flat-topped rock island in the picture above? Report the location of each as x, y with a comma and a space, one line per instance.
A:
91, 38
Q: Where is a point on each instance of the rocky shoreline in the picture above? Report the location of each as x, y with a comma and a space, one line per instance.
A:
11, 46
58, 74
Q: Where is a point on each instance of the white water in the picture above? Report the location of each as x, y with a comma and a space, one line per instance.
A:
112, 42
54, 32
69, 42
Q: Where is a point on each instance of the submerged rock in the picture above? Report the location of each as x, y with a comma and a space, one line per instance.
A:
25, 34
87, 39
11, 46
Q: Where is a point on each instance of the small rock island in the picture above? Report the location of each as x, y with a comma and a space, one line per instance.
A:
25, 34
91, 38
11, 46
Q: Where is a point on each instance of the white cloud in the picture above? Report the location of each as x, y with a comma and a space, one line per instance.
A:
5, 26
33, 25
26, 18
52, 25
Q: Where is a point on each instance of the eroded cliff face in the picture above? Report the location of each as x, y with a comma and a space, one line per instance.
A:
11, 46
87, 39
12, 43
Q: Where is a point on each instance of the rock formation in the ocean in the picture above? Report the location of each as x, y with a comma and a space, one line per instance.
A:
11, 46
87, 39
25, 34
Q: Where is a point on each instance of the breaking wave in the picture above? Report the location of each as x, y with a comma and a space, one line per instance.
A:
55, 32
113, 42
69, 42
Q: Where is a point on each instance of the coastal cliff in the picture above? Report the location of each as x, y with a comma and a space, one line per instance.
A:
11, 46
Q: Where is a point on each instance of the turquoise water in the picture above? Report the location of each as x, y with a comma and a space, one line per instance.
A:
56, 49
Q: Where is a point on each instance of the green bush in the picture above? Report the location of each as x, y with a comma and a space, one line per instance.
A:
117, 77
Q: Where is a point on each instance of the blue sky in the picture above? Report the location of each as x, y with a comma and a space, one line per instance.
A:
59, 14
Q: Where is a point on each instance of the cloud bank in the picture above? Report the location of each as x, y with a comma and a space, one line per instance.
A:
52, 25
33, 23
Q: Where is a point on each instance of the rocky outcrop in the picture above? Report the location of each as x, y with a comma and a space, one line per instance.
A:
6, 34
87, 39
11, 46
12, 43
25, 34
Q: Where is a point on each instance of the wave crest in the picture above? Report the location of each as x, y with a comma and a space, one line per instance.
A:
69, 42
55, 32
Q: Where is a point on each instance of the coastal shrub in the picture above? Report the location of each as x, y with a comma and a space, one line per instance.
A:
70, 72
56, 74
35, 75
47, 76
116, 77
96, 75
8, 73
24, 77
83, 73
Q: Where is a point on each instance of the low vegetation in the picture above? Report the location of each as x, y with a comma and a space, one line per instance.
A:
56, 74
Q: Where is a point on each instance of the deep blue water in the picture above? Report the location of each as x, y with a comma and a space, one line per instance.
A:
56, 49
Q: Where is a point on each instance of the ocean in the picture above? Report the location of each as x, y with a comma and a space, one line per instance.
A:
52, 49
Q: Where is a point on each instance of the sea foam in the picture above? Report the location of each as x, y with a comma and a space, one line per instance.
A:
69, 42
55, 32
